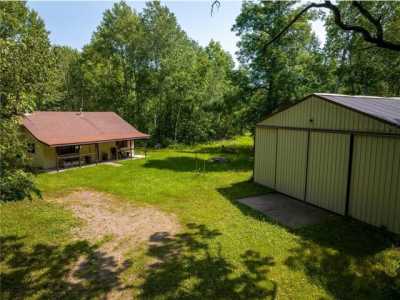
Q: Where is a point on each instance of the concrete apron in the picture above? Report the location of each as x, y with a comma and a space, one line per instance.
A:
286, 211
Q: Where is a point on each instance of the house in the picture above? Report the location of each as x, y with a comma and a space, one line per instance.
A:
62, 139
338, 152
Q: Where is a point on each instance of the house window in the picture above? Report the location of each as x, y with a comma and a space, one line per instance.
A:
74, 149
31, 148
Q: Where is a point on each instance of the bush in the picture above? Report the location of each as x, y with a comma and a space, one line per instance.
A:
16, 182
17, 185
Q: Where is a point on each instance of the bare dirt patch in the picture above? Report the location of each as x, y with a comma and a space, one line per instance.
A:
118, 227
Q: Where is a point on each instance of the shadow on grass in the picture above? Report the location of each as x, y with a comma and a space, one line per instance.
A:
349, 259
245, 189
193, 164
74, 271
191, 266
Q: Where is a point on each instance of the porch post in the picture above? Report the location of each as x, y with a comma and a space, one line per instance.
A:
97, 153
79, 156
130, 149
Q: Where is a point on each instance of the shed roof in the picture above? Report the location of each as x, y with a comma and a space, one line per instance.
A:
69, 128
386, 109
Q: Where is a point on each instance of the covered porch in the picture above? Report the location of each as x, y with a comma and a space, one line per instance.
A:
78, 155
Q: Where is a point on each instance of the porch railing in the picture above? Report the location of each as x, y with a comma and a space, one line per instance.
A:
76, 159
125, 152
79, 159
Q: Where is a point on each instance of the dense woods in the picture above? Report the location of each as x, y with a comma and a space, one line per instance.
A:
296, 65
147, 69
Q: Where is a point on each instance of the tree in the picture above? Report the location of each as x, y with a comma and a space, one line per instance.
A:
25, 60
166, 46
221, 91
374, 35
278, 75
61, 94
358, 67
109, 63
145, 67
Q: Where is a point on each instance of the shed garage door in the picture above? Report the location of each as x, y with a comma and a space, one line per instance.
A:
374, 193
291, 162
327, 170
264, 168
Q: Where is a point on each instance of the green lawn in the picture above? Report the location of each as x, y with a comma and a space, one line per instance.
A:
225, 250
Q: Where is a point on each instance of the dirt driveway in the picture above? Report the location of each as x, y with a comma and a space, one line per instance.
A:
117, 227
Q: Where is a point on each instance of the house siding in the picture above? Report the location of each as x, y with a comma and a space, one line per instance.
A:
44, 156
105, 148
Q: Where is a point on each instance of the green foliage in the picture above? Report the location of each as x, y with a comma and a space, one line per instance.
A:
358, 67
25, 58
15, 182
16, 185
61, 94
25, 62
278, 75
145, 67
295, 65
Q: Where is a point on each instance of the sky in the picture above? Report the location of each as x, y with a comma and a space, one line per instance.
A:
72, 23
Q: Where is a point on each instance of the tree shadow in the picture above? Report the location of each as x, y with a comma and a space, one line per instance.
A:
75, 271
193, 164
190, 266
350, 259
245, 189
340, 233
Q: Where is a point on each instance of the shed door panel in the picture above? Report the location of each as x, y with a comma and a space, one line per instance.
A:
327, 170
265, 156
375, 182
291, 162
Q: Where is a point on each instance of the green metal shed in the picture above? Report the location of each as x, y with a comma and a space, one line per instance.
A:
338, 152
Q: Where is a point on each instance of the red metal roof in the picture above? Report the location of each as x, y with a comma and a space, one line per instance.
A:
69, 128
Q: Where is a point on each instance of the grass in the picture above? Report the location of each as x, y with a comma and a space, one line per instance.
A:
225, 251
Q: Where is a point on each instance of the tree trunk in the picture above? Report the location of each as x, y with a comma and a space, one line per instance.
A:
177, 123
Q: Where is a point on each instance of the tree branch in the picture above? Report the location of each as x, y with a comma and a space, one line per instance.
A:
369, 17
367, 36
286, 28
